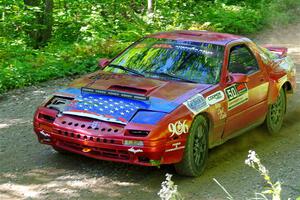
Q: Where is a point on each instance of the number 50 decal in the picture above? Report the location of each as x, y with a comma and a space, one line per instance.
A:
237, 95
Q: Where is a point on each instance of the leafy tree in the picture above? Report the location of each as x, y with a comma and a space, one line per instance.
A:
41, 28
44, 39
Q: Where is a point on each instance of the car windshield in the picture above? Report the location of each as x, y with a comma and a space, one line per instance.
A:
171, 59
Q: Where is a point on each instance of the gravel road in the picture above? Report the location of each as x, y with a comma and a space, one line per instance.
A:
29, 170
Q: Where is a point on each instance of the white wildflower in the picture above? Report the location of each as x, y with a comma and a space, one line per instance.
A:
169, 190
84, 28
254, 162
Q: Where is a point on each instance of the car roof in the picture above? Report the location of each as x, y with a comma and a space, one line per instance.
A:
199, 36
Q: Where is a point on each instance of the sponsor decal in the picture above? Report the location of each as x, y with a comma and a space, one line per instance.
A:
220, 111
140, 45
176, 147
215, 97
178, 128
45, 137
134, 151
163, 46
194, 49
196, 104
237, 95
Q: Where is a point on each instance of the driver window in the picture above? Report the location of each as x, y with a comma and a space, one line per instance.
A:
241, 60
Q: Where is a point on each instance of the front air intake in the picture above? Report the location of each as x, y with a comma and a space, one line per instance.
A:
138, 133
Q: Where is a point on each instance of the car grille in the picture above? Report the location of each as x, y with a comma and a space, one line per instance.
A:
103, 152
83, 137
88, 124
85, 129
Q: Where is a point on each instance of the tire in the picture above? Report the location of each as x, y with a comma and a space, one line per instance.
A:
196, 149
276, 113
61, 151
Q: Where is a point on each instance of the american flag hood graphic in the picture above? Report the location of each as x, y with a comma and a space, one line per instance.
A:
112, 106
97, 97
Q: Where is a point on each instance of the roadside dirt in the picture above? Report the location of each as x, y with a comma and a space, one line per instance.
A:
29, 170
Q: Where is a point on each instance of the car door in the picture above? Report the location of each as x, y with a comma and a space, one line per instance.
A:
246, 97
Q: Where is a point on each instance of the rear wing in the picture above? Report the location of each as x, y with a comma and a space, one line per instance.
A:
280, 51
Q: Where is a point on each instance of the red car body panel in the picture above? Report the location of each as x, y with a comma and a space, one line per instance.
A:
165, 141
139, 85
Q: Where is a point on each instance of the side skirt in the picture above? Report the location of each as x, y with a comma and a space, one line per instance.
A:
238, 133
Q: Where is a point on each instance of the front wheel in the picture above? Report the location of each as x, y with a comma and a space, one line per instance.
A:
275, 113
196, 149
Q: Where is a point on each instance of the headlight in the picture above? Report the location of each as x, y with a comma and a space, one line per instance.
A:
58, 103
148, 117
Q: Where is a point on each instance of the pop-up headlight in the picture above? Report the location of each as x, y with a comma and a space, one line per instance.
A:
58, 103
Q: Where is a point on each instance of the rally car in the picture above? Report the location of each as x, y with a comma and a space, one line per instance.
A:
168, 98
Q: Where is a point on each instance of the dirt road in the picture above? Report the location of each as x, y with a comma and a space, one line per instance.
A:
29, 170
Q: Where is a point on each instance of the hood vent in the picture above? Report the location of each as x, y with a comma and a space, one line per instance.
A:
128, 89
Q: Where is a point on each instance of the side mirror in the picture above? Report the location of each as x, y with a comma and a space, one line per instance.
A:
238, 78
103, 62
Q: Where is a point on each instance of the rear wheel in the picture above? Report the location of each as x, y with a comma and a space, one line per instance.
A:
275, 113
196, 149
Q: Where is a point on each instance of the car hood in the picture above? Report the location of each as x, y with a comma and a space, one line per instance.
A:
118, 97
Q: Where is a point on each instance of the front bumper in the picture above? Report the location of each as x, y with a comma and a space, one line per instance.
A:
105, 146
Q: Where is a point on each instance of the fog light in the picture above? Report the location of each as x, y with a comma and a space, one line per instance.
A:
86, 150
133, 143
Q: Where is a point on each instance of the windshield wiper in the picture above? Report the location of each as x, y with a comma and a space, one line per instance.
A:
171, 76
126, 69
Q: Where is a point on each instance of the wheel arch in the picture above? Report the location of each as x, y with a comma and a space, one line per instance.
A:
275, 90
187, 164
208, 118
288, 89
287, 86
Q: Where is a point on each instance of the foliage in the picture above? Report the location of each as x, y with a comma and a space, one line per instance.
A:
84, 30
169, 190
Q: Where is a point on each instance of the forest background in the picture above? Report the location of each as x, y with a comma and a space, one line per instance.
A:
48, 39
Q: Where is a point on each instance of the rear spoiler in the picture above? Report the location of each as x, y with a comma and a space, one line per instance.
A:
280, 51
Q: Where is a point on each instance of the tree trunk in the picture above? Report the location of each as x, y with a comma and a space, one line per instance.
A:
47, 22
150, 7
44, 21
32, 2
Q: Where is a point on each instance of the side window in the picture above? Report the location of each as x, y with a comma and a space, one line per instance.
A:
241, 60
